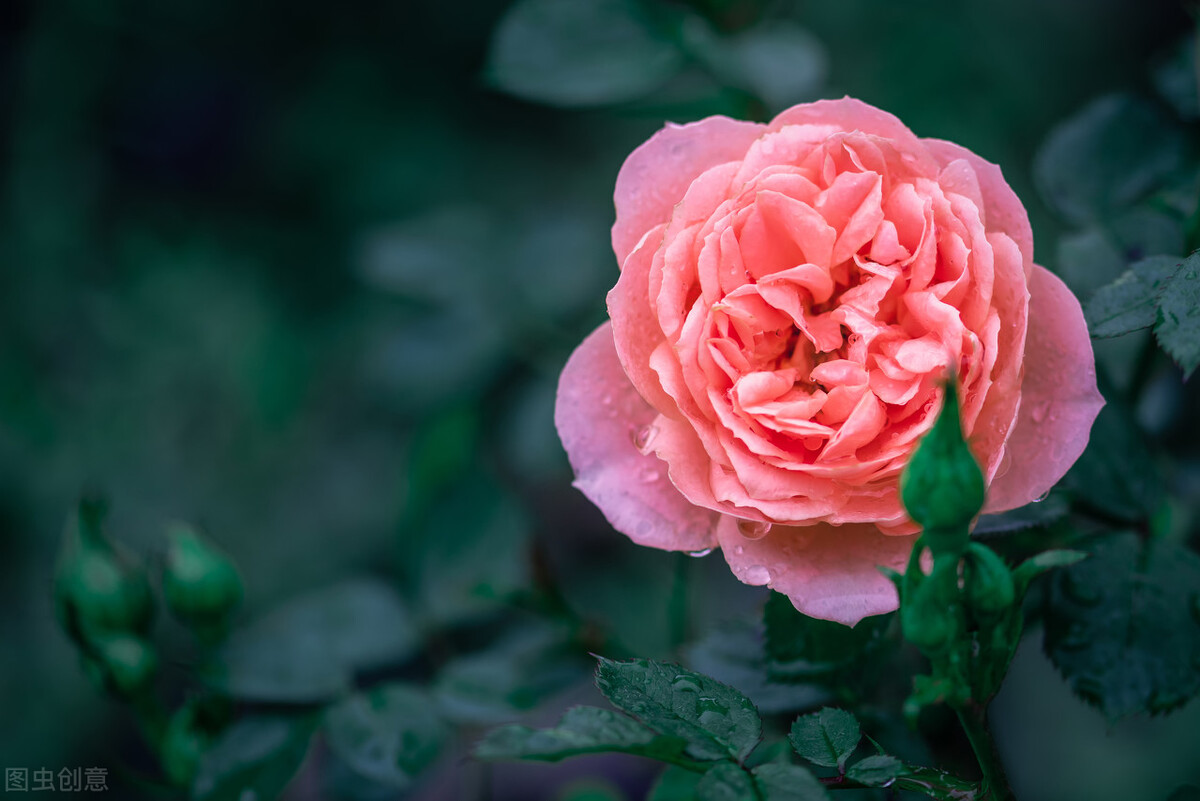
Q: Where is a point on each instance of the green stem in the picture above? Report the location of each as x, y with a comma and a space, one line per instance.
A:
973, 717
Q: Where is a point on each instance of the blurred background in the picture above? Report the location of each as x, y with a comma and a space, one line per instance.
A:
304, 275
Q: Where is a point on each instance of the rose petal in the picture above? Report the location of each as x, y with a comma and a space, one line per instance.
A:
1001, 207
598, 414
1059, 398
828, 572
656, 175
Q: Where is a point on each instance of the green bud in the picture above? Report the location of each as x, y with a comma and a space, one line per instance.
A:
201, 584
942, 487
99, 588
927, 614
987, 583
128, 663
183, 745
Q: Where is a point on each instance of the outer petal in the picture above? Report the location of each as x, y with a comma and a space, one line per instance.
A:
845, 115
656, 175
1059, 398
1001, 207
598, 413
828, 572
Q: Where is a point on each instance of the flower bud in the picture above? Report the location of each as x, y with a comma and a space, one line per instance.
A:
183, 745
987, 583
927, 613
98, 588
942, 487
127, 663
201, 584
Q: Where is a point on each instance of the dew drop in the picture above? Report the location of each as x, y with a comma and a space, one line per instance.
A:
606, 399
1041, 497
739, 550
753, 529
643, 438
756, 574
701, 552
648, 475
1038, 412
683, 684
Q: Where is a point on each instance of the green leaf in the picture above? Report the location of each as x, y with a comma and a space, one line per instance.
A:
308, 649
827, 737
732, 653
800, 647
778, 62
465, 563
389, 733
511, 676
725, 781
717, 721
1178, 325
1035, 565
1121, 626
581, 53
779, 782
255, 758
877, 770
1116, 474
675, 784
1114, 152
1130, 302
1051, 509
582, 730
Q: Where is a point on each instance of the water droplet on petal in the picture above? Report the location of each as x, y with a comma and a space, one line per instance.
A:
701, 552
757, 575
648, 475
753, 529
1041, 497
739, 550
1038, 412
643, 437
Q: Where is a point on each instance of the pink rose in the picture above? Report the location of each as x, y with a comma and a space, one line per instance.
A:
791, 296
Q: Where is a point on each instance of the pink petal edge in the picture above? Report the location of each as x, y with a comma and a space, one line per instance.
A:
657, 174
1059, 397
828, 572
598, 413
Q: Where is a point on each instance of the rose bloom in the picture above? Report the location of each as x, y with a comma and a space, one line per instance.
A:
792, 298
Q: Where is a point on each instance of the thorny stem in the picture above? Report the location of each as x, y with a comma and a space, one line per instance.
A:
973, 717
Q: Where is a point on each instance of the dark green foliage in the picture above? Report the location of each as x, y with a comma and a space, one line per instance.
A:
726, 782
878, 770
826, 738
1122, 628
1116, 474
1131, 302
716, 720
309, 649
779, 782
582, 730
1177, 325
258, 755
388, 734
802, 647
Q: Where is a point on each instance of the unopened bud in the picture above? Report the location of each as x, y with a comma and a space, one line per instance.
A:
201, 584
127, 663
987, 583
98, 587
942, 487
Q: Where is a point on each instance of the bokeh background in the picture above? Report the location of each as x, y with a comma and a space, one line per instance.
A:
304, 274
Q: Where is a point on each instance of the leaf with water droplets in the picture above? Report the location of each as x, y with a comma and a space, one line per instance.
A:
1128, 304
801, 648
717, 721
725, 781
582, 730
827, 737
1123, 626
388, 734
1178, 326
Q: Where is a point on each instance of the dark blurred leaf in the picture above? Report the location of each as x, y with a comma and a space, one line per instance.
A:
1122, 626
1111, 154
732, 653
778, 62
675, 784
1038, 564
827, 737
512, 676
1178, 326
1116, 474
256, 757
1130, 302
582, 730
581, 53
800, 647
778, 782
1175, 78
1032, 515
725, 781
877, 770
469, 554
716, 720
389, 733
308, 649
